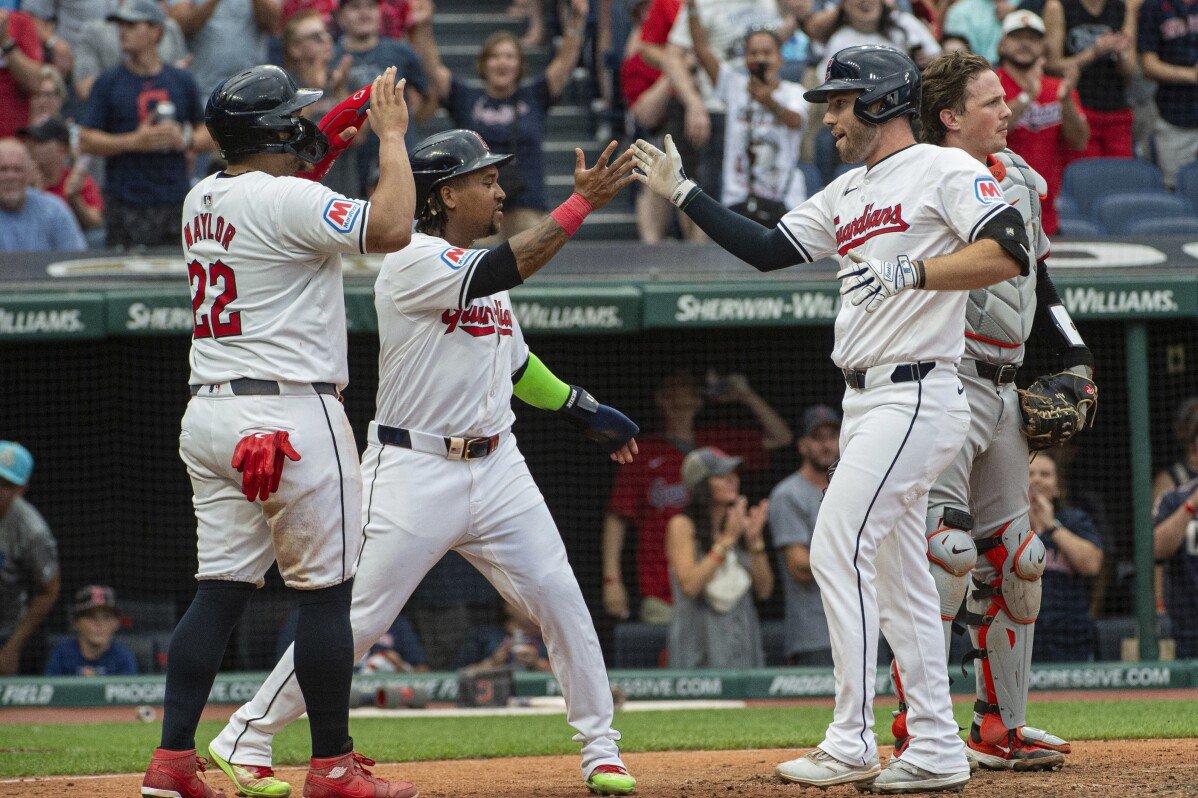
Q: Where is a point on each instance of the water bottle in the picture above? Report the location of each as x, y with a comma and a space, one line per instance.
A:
165, 111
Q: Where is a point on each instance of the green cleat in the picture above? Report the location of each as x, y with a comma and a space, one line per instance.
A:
252, 780
611, 780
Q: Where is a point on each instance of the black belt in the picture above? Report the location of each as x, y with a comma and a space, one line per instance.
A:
999, 375
456, 448
246, 386
907, 372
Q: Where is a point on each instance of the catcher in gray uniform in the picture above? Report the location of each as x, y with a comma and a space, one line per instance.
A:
978, 508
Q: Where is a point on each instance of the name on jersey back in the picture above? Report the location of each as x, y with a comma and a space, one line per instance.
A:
202, 227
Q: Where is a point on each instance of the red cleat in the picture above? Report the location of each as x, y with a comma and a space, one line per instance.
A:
176, 774
346, 776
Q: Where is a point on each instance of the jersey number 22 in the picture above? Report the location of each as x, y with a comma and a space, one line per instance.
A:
211, 325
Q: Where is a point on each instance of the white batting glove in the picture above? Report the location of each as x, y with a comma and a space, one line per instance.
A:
662, 171
872, 281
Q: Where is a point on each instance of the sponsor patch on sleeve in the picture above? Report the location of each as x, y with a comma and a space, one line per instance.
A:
456, 257
341, 213
987, 191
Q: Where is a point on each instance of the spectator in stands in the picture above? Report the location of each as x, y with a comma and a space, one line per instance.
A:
980, 22
953, 42
29, 578
49, 145
396, 18
452, 598
1046, 124
715, 548
763, 127
369, 54
31, 219
876, 22
1064, 630
1096, 37
794, 504
142, 118
56, 51
509, 113
325, 8
93, 651
516, 645
649, 491
701, 140
99, 50
20, 69
225, 36
308, 59
50, 97
1185, 431
1168, 46
1175, 545
397, 651
71, 16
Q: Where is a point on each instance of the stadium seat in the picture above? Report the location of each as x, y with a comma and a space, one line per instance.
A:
1187, 182
1117, 212
844, 167
1109, 634
815, 180
1174, 226
1089, 179
1077, 227
148, 615
1067, 206
639, 645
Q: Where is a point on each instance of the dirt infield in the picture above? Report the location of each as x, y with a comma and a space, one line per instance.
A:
1159, 768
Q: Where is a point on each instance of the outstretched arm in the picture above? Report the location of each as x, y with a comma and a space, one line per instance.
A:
557, 72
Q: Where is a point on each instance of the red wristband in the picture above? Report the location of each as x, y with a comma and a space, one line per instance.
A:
1191, 509
571, 213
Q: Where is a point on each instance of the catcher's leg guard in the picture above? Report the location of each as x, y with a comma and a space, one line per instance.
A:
1001, 610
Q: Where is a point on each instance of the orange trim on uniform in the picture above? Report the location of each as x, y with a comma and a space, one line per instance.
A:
984, 339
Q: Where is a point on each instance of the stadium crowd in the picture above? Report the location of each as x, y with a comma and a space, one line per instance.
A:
101, 102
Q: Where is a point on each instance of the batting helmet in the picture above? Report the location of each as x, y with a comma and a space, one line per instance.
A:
882, 73
449, 154
253, 112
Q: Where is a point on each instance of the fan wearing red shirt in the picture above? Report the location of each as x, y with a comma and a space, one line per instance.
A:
49, 146
650, 490
20, 69
1046, 121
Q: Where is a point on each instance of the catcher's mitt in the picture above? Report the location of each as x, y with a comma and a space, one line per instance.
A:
1055, 408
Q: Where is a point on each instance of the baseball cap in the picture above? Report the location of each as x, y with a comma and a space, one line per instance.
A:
707, 462
1022, 20
16, 463
139, 11
93, 597
53, 129
817, 416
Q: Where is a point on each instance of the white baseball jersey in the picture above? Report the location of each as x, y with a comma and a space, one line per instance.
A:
922, 201
750, 128
426, 322
263, 258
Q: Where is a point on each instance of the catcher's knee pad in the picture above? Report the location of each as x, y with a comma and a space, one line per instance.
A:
952, 554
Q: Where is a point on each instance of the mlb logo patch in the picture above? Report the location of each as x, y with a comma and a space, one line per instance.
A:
987, 191
456, 257
340, 214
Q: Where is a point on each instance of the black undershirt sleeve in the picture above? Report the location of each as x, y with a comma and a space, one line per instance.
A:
495, 271
765, 249
1046, 297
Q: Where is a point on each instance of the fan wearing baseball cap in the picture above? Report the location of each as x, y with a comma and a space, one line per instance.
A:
28, 559
92, 652
717, 560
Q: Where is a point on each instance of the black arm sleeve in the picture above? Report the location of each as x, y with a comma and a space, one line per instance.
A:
763, 248
1046, 296
1006, 229
495, 271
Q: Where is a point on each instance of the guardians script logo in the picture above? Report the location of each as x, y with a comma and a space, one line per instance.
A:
869, 224
479, 320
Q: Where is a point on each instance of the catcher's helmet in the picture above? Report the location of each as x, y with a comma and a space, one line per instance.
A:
247, 113
882, 73
449, 154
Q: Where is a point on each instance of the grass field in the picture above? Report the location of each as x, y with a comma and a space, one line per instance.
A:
81, 749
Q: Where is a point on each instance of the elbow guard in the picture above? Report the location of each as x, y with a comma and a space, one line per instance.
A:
1007, 230
1072, 349
495, 271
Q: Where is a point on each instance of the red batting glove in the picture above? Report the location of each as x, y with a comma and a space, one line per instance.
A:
259, 457
351, 112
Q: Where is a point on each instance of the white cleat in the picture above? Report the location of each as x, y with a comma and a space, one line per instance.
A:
903, 777
820, 769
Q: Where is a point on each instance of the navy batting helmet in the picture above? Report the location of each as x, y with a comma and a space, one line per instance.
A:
882, 73
449, 154
253, 112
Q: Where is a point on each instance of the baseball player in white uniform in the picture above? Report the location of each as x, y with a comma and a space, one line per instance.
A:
982, 495
442, 470
268, 361
915, 228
